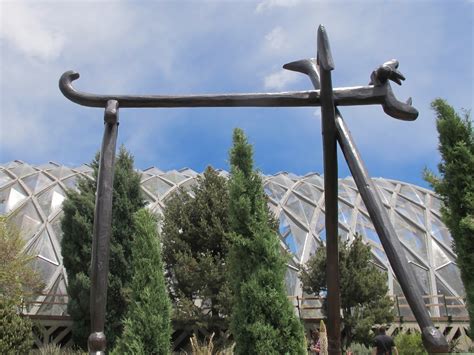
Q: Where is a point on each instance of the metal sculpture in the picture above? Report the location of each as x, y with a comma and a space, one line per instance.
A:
334, 130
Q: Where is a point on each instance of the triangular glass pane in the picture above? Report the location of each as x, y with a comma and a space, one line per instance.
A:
410, 210
299, 236
450, 301
309, 191
37, 182
188, 172
284, 227
56, 302
84, 169
312, 246
320, 229
308, 210
291, 279
440, 257
385, 195
350, 182
61, 172
44, 248
422, 277
174, 176
347, 193
71, 182
384, 183
293, 204
27, 220
12, 164
290, 242
282, 180
45, 268
440, 232
47, 166
22, 170
11, 197
345, 213
365, 228
56, 226
315, 180
274, 191
450, 273
436, 204
410, 193
4, 178
157, 186
380, 256
153, 171
51, 200
413, 238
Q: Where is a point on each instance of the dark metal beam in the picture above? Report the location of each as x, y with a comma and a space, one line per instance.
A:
326, 65
102, 230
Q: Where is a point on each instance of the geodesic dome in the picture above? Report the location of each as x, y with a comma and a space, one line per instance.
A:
32, 196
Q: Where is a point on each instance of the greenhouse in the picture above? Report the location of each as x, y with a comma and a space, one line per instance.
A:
31, 196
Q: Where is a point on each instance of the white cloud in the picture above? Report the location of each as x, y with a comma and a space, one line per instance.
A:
279, 79
276, 38
268, 4
27, 31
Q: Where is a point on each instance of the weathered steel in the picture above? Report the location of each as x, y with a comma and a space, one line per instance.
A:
330, 194
102, 230
433, 340
348, 96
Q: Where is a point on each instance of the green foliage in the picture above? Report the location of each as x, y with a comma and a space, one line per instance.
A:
195, 248
409, 344
364, 299
263, 320
360, 349
54, 349
18, 281
77, 225
147, 327
455, 185
16, 335
17, 277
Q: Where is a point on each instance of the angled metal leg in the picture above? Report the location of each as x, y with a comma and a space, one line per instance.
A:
102, 230
330, 194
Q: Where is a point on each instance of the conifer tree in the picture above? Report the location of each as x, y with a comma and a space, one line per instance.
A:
147, 327
455, 186
195, 247
364, 291
77, 225
263, 320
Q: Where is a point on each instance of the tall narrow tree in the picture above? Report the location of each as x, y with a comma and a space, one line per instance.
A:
364, 290
195, 247
263, 320
147, 326
76, 246
455, 185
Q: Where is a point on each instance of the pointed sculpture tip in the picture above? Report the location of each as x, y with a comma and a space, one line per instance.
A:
301, 66
324, 50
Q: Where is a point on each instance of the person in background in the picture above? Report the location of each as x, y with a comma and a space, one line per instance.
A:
314, 345
384, 344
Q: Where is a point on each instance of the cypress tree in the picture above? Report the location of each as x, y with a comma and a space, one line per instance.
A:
364, 290
263, 320
195, 247
147, 327
455, 186
77, 225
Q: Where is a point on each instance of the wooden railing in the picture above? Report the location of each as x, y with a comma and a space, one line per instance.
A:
400, 303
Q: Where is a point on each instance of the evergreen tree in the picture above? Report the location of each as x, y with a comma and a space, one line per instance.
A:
455, 186
364, 291
263, 320
147, 327
76, 244
195, 247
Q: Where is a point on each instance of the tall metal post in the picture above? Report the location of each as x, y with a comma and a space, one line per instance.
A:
102, 230
326, 64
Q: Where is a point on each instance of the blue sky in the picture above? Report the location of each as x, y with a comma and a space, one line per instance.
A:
185, 47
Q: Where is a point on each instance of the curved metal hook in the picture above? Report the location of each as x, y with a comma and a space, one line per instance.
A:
81, 98
380, 78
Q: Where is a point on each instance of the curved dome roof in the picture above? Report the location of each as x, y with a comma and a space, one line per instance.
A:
32, 197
